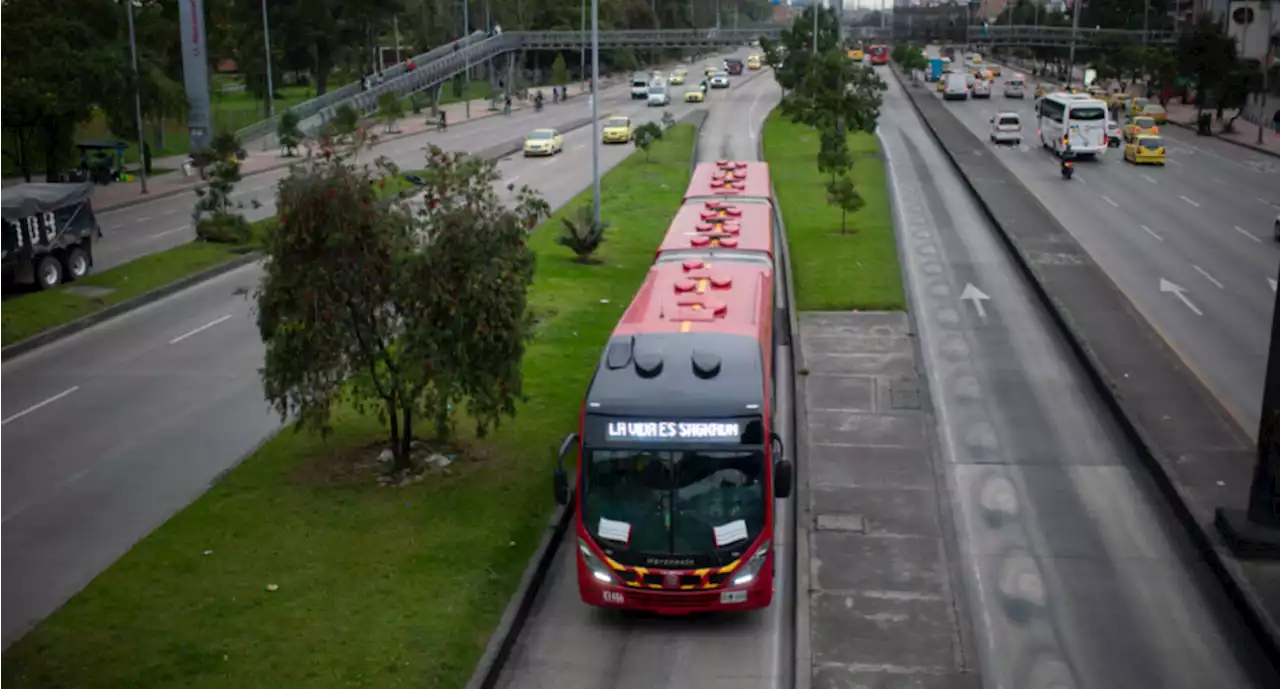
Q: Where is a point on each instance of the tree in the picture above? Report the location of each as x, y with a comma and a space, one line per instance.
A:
1232, 93
213, 216
288, 132
841, 192
346, 120
559, 71
582, 234
833, 153
646, 135
1205, 55
390, 109
835, 90
60, 58
411, 316
791, 54
914, 61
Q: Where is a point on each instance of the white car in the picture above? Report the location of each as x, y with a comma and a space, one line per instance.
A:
720, 80
1006, 128
658, 96
1013, 89
981, 89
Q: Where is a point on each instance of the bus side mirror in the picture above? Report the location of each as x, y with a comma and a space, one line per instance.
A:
781, 468
560, 480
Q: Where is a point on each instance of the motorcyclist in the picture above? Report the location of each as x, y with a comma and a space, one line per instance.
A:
537, 101
444, 121
1067, 167
506, 105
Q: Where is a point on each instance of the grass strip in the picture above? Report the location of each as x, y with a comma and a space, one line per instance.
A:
377, 587
30, 314
834, 271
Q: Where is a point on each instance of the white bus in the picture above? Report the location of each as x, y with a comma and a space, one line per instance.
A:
1076, 117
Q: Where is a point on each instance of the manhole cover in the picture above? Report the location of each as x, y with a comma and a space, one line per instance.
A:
855, 523
904, 395
89, 291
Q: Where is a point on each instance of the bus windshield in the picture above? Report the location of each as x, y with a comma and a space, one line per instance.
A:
673, 507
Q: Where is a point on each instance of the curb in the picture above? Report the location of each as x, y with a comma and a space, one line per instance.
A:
503, 640
1233, 142
65, 330
1202, 534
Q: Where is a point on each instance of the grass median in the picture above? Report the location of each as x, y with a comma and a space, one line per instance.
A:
377, 586
26, 315
834, 271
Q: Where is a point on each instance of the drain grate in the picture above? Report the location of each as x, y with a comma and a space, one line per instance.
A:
849, 523
904, 394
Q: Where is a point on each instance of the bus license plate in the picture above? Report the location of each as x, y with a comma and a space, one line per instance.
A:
733, 597
613, 597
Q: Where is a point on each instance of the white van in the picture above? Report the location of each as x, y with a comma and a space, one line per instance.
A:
1073, 120
639, 86
955, 87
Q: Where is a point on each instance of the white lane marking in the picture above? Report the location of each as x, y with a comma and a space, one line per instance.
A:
201, 329
1246, 233
1273, 205
38, 405
1181, 293
1219, 181
1149, 231
1272, 282
1079, 178
1108, 200
168, 232
171, 211
1188, 200
1207, 276
1149, 178
1175, 162
144, 218
579, 147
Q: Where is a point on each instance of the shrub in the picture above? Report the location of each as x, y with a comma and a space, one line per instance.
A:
582, 234
224, 228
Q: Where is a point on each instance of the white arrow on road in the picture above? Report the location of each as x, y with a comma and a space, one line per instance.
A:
976, 296
1273, 284
1181, 293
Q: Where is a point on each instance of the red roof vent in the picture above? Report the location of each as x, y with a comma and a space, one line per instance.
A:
721, 282
685, 286
707, 215
704, 227
731, 226
714, 205
700, 241
729, 242
692, 264
698, 309
733, 211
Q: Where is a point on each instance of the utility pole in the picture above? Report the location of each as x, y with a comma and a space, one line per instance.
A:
1255, 531
466, 72
815, 8
271, 89
582, 54
1146, 13
1262, 104
137, 100
1071, 55
395, 28
595, 109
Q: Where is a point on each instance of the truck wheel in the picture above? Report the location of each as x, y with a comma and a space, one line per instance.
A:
48, 273
76, 264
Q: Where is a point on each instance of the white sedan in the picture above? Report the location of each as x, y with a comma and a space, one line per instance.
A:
720, 80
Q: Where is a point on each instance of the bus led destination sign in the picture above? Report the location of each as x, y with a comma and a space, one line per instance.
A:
711, 431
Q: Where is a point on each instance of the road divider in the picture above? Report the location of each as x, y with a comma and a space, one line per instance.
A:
1199, 457
301, 539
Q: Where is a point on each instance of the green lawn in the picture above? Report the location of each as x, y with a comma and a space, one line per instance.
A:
834, 271
378, 587
30, 314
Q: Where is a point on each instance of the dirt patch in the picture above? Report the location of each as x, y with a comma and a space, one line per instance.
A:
363, 465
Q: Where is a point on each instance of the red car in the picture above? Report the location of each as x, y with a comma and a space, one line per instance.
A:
733, 66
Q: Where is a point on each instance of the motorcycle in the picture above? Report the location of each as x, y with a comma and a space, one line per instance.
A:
1068, 169
537, 105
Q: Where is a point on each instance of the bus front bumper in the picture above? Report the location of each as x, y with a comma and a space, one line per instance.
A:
753, 596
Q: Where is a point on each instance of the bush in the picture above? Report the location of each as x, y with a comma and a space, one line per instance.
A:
346, 119
559, 71
224, 228
581, 234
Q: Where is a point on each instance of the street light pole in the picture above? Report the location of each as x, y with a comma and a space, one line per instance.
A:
1075, 27
137, 99
595, 109
271, 89
582, 54
1146, 13
466, 71
395, 28
815, 8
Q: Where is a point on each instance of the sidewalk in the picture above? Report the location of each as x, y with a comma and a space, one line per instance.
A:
124, 194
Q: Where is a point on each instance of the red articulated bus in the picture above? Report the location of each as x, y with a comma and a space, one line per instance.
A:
678, 462
879, 55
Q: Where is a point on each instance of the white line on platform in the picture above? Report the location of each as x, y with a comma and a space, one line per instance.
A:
201, 329
38, 405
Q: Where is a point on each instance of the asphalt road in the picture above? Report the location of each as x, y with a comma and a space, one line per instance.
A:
111, 431
1077, 573
135, 231
569, 644
1199, 227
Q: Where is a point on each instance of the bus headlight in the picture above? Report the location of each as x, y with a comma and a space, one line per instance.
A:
749, 570
598, 569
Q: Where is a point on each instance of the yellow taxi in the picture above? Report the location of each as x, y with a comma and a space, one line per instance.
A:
994, 69
855, 55
1156, 112
694, 95
543, 142
976, 58
617, 130
677, 77
1145, 149
1140, 126
942, 84
1136, 105
754, 62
